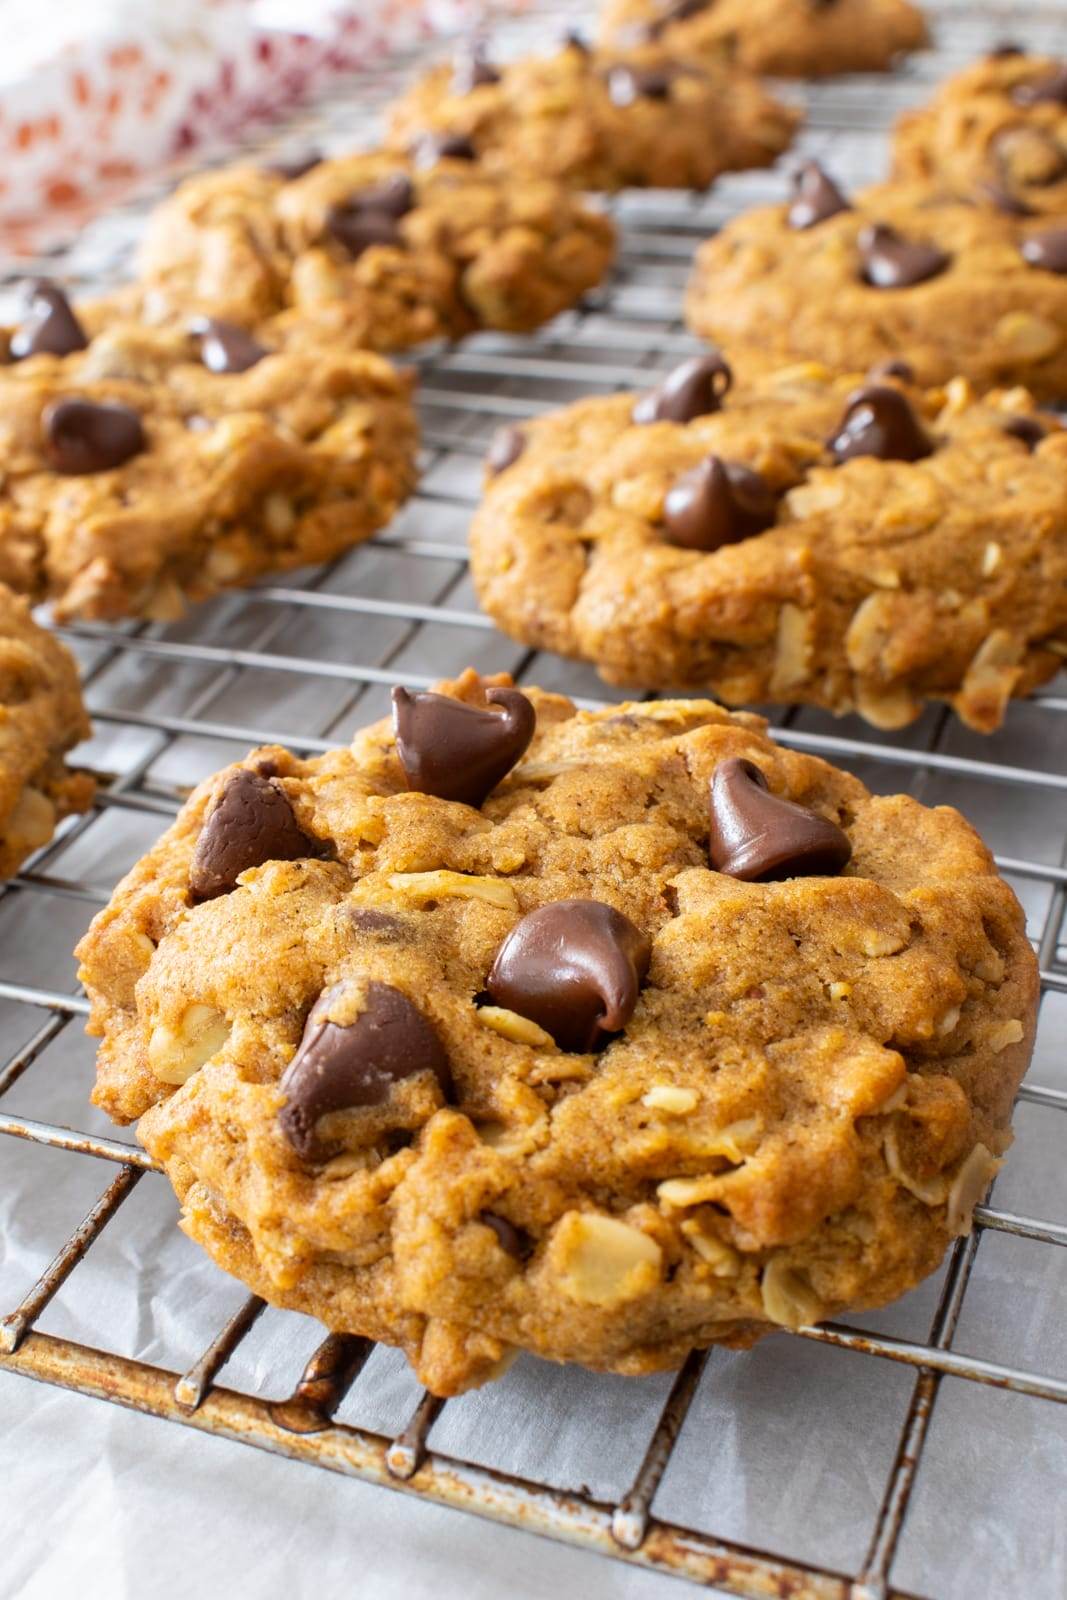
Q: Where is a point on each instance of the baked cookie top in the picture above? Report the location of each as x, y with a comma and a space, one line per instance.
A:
373, 250
147, 467
41, 718
850, 542
601, 1034
787, 38
996, 132
956, 289
598, 121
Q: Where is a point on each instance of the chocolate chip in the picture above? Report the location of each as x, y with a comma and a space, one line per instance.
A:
575, 968
473, 70
294, 166
82, 436
434, 147
892, 262
760, 837
879, 421
1052, 87
1027, 429
815, 197
696, 388
1046, 250
626, 85
719, 502
395, 196
224, 347
894, 368
456, 751
573, 40
49, 327
995, 194
505, 448
339, 1067
251, 822
513, 1241
356, 228
377, 923
1001, 52
675, 11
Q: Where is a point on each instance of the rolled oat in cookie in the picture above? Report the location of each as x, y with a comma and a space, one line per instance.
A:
785, 38
593, 120
147, 467
851, 542
996, 133
42, 717
374, 250
663, 1037
955, 287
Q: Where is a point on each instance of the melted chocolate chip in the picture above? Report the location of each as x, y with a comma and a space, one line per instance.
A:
995, 194
574, 967
473, 70
719, 502
893, 368
434, 147
1001, 52
879, 421
356, 228
294, 166
892, 262
513, 1241
758, 836
339, 1067
250, 823
505, 448
1051, 88
1047, 250
1027, 429
626, 85
394, 196
82, 436
456, 751
815, 197
49, 327
696, 388
224, 347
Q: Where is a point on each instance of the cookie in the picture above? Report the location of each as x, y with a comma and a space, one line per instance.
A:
849, 542
657, 1036
596, 121
41, 718
147, 467
996, 132
373, 251
787, 38
907, 271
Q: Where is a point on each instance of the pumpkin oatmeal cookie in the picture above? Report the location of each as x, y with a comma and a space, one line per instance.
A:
785, 38
851, 542
148, 467
596, 121
955, 288
606, 1035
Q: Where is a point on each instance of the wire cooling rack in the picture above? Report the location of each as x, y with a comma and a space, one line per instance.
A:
305, 662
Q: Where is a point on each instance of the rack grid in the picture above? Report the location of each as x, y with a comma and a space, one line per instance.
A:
171, 703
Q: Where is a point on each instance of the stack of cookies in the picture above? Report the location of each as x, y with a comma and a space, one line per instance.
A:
602, 1034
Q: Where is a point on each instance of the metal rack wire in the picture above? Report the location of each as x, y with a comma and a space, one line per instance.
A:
186, 698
